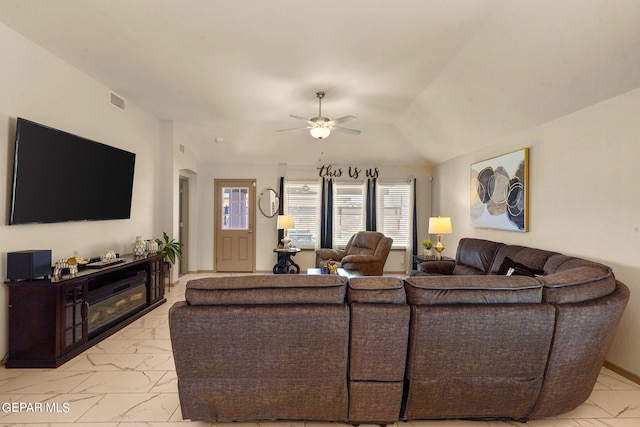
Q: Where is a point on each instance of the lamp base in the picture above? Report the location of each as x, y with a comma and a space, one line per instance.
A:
439, 247
286, 242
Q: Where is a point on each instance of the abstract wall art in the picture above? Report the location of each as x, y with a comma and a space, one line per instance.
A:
499, 192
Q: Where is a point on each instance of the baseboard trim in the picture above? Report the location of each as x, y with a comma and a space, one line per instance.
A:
620, 371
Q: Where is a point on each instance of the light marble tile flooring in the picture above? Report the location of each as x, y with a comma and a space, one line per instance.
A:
129, 380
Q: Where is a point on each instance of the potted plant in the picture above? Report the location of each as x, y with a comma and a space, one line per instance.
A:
427, 245
170, 248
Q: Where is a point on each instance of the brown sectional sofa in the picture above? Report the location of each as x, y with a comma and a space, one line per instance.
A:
470, 343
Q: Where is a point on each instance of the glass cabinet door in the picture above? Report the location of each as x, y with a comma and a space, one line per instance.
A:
74, 311
156, 280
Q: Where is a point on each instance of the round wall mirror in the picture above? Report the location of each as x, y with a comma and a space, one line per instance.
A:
268, 203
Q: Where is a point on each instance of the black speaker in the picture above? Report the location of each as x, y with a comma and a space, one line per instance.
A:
28, 265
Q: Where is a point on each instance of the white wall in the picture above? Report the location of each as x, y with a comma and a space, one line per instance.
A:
584, 198
40, 87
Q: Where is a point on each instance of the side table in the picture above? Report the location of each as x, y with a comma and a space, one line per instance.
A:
285, 264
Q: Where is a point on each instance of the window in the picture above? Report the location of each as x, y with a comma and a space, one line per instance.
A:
302, 200
348, 212
235, 208
393, 212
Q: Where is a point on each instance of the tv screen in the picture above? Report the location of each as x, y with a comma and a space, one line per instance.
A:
60, 177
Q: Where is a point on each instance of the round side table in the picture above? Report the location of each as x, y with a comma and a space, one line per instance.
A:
285, 264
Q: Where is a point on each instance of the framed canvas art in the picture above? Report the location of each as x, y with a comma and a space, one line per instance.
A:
499, 192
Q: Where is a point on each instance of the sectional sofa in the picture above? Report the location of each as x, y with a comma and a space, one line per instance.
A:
461, 342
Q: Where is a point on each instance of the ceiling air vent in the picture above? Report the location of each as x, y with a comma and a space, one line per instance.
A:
116, 101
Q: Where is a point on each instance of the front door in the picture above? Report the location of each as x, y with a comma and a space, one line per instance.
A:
234, 218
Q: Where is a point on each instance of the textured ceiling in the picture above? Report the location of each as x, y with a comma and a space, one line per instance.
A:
428, 79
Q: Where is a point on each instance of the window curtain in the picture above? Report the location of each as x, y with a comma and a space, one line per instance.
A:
326, 214
370, 209
280, 210
412, 249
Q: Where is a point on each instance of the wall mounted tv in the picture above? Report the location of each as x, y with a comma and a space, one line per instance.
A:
60, 177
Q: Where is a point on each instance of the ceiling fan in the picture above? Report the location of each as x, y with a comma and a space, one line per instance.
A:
320, 127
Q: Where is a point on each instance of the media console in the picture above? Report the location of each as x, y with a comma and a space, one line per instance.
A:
52, 321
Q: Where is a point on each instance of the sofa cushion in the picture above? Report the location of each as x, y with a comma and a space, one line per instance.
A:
511, 268
533, 258
492, 289
388, 290
578, 284
267, 289
365, 243
477, 254
437, 267
558, 263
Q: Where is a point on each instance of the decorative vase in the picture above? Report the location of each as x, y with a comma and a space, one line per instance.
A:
139, 247
152, 246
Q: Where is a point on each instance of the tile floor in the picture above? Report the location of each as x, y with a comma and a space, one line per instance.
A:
129, 380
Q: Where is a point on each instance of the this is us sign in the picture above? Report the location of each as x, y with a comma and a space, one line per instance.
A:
354, 172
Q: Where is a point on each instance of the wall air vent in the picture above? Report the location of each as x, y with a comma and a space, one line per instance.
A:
116, 101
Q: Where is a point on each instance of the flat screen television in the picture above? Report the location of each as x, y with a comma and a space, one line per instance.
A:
60, 177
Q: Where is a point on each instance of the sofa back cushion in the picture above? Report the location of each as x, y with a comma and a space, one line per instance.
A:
363, 243
267, 289
533, 258
475, 256
483, 289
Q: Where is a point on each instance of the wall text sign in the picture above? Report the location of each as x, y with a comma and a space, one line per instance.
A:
354, 172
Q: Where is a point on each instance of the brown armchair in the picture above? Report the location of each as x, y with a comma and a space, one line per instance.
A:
366, 251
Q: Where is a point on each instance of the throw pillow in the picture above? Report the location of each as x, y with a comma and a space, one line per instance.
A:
511, 268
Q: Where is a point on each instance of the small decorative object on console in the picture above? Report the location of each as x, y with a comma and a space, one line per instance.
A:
333, 268
152, 246
71, 264
108, 256
139, 247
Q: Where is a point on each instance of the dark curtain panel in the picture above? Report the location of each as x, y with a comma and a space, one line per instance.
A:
370, 209
415, 220
280, 211
326, 214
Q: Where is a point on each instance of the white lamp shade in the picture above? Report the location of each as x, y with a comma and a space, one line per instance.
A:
440, 225
285, 222
320, 132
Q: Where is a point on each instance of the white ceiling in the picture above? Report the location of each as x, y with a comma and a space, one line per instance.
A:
428, 79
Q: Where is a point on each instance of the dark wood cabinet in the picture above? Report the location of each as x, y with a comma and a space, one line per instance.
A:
51, 321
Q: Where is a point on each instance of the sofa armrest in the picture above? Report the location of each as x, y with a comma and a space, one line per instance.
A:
360, 259
437, 267
327, 254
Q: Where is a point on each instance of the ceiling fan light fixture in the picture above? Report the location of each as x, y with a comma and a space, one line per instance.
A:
320, 132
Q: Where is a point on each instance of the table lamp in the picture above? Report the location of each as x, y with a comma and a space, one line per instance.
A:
285, 222
439, 226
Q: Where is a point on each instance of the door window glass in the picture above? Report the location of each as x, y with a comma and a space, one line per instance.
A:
235, 208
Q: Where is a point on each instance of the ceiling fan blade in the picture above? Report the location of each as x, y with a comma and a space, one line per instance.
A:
284, 130
302, 118
343, 120
346, 130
